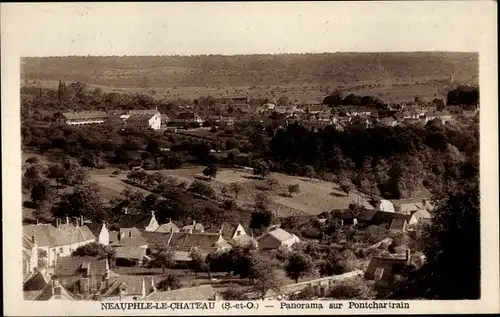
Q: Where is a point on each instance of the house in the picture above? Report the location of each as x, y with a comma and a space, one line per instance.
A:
443, 116
55, 242
382, 269
82, 117
235, 234
407, 206
143, 222
169, 226
40, 287
128, 287
193, 228
130, 256
30, 254
378, 217
85, 277
202, 292
100, 231
140, 112
386, 206
388, 122
346, 218
205, 242
141, 121
398, 225
277, 238
187, 117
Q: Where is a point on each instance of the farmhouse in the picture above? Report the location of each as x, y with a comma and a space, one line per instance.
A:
277, 238
56, 242
82, 117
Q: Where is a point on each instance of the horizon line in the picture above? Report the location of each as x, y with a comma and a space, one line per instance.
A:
254, 54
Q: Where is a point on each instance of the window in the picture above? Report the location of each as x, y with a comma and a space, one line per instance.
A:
61, 250
238, 233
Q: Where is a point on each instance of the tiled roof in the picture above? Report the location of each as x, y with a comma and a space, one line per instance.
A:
48, 235
398, 224
139, 221
144, 112
279, 234
85, 115
200, 240
388, 263
187, 115
203, 292
134, 284
156, 238
130, 241
137, 119
388, 217
134, 253
70, 266
168, 227
95, 228
366, 215
228, 230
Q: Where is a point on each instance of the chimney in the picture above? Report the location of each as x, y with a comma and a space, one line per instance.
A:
251, 232
81, 220
33, 238
407, 256
130, 233
67, 219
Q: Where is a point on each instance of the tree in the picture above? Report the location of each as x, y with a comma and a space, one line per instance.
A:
234, 292
210, 171
56, 171
236, 189
293, 188
305, 294
199, 263
309, 171
95, 249
171, 282
455, 231
163, 258
261, 219
351, 289
298, 265
40, 192
261, 168
346, 186
32, 175
334, 99
83, 201
264, 278
202, 188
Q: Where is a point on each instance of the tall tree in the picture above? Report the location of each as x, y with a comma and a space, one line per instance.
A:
298, 265
163, 258
84, 201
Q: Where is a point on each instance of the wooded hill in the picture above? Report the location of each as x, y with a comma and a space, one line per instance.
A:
219, 70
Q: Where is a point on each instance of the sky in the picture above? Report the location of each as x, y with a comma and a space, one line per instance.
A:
59, 29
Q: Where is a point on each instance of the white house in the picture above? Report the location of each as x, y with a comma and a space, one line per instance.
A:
55, 242
100, 231
277, 238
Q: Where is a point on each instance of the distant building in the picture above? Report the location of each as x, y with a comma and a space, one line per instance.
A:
277, 238
142, 122
82, 117
128, 287
444, 117
202, 292
187, 117
168, 227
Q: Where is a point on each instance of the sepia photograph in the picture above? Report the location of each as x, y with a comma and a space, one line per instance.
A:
271, 156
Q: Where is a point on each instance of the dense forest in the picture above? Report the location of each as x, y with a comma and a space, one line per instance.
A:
326, 68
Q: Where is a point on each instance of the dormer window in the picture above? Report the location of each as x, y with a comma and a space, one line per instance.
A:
238, 233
